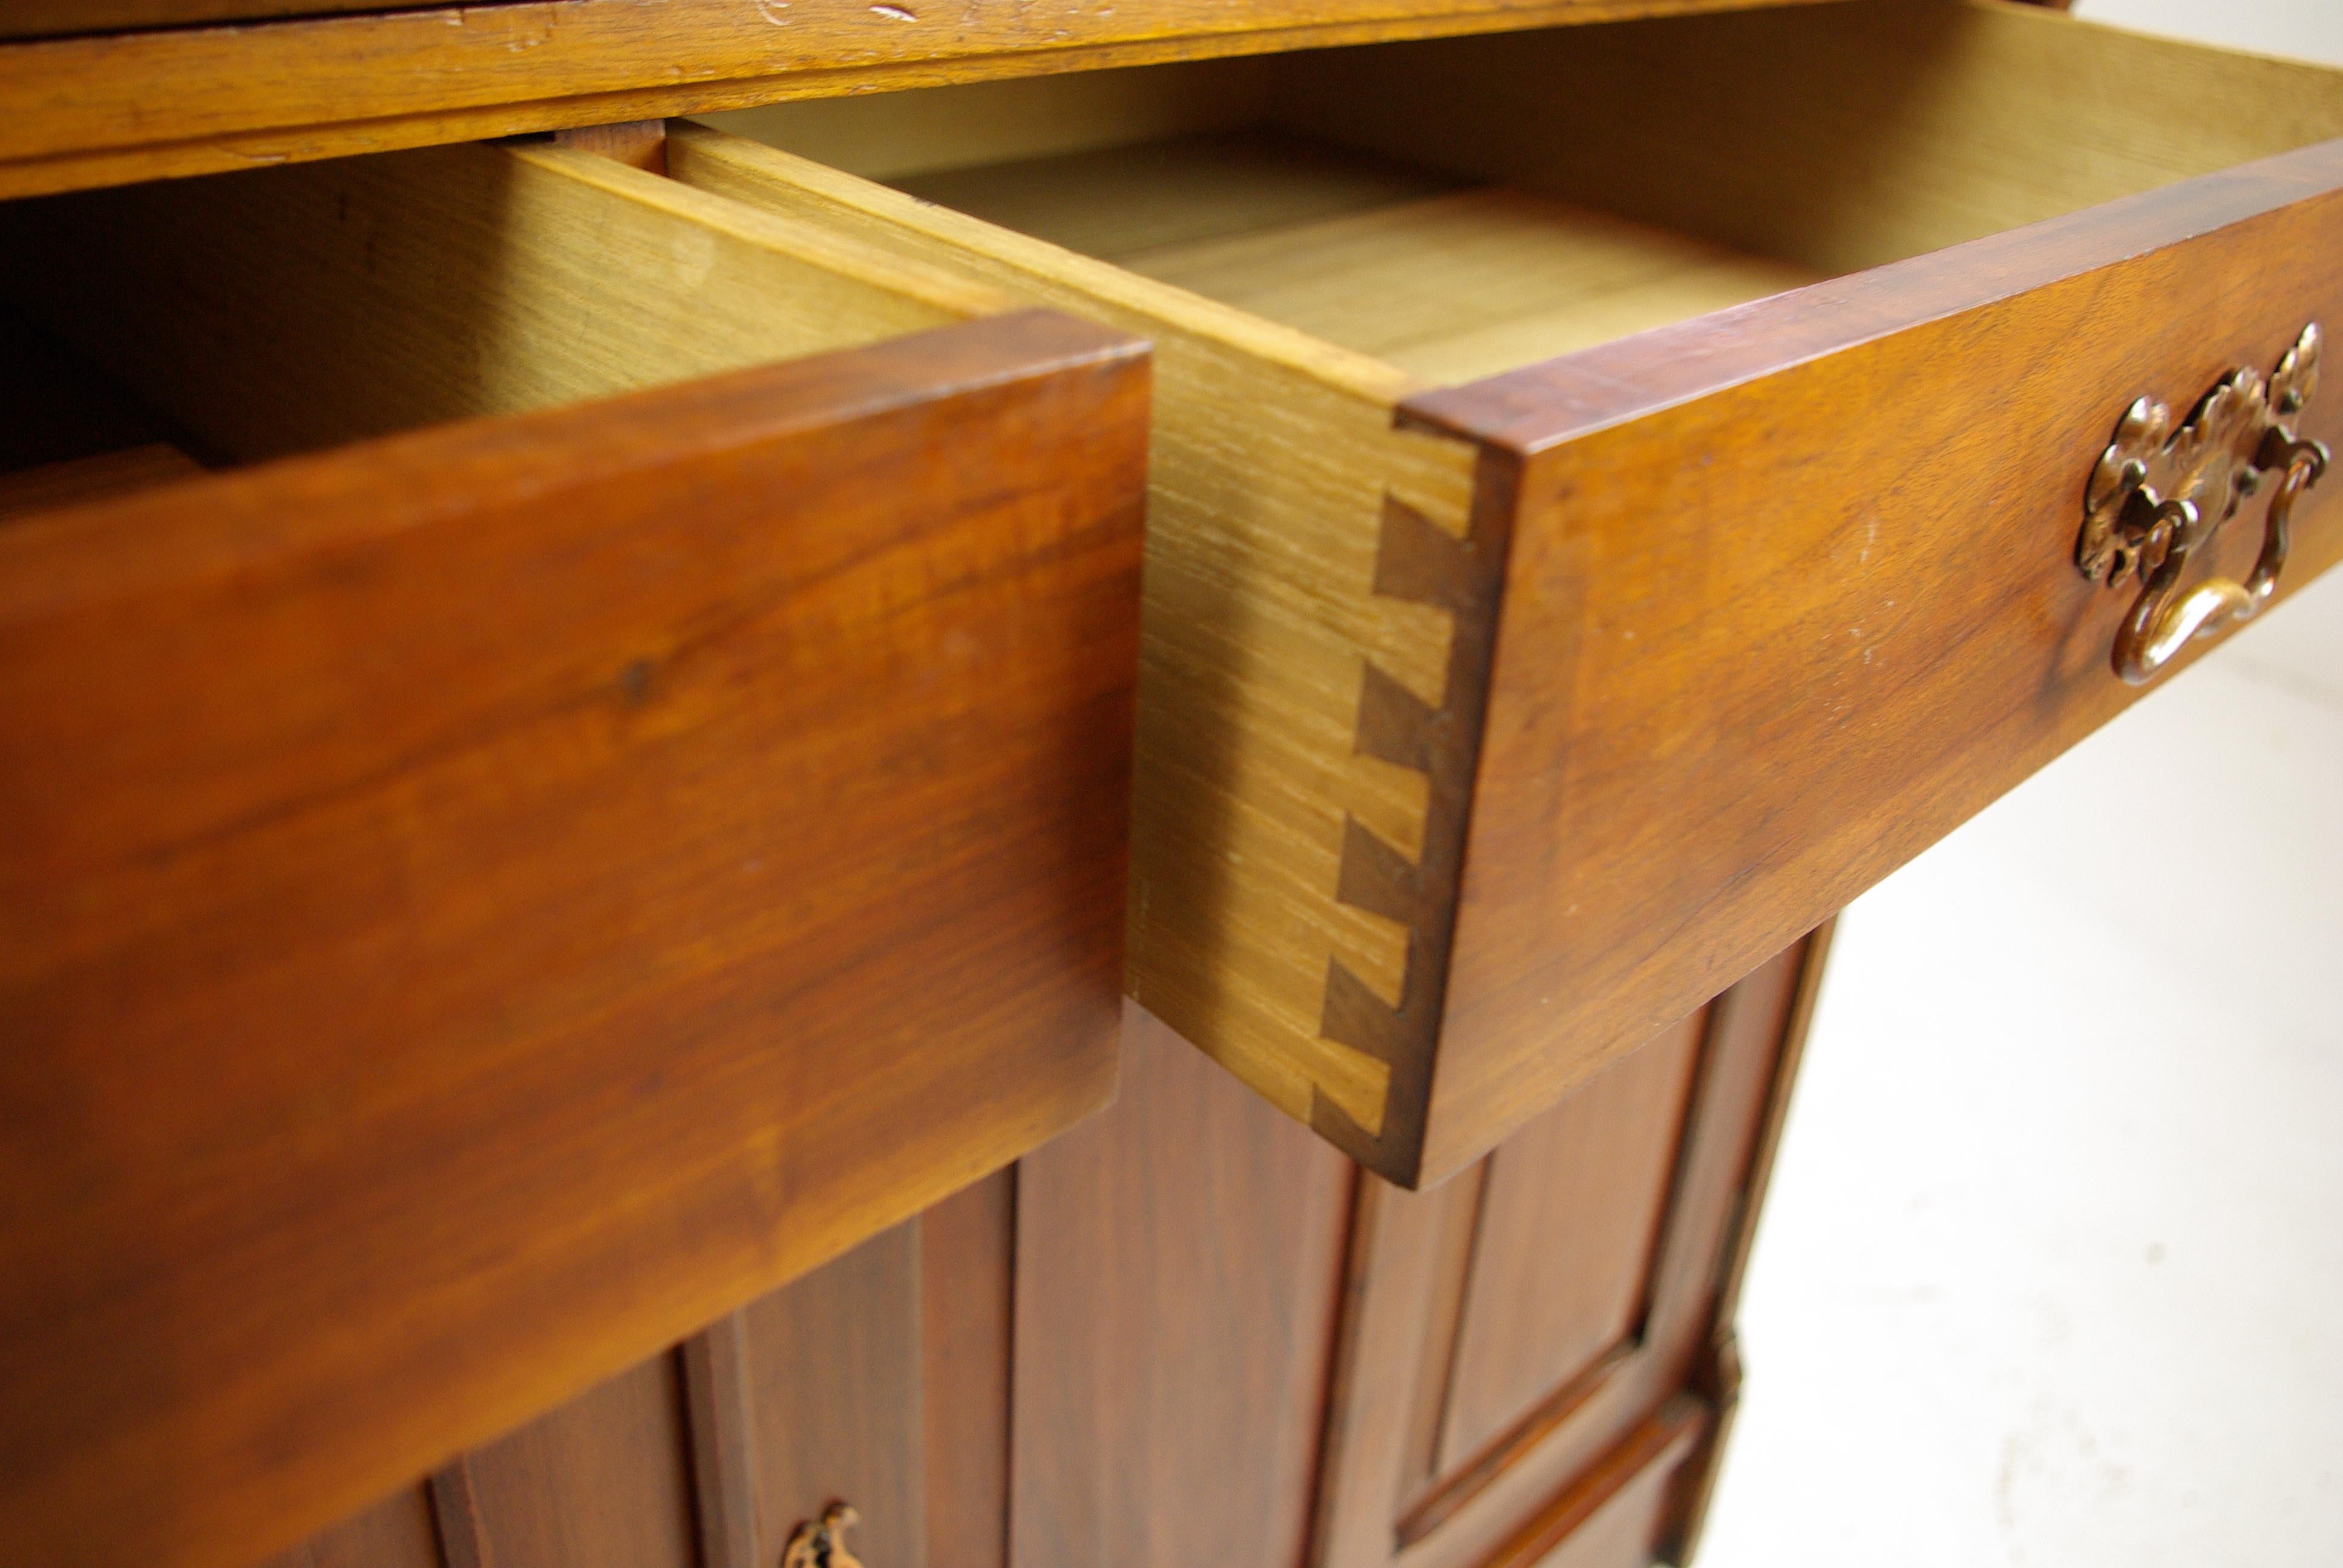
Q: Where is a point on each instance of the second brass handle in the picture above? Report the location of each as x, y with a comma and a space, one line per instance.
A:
2159, 495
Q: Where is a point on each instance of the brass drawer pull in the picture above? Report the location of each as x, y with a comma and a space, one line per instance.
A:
2159, 495
821, 1544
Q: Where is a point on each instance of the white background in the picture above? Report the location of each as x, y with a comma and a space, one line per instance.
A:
2052, 1266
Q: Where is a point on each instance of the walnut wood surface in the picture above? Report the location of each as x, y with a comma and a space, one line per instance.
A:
1177, 1272
1731, 693
968, 1291
1181, 1288
833, 1384
602, 1482
179, 100
1276, 477
1311, 703
1519, 1339
1597, 1169
480, 904
880, 1379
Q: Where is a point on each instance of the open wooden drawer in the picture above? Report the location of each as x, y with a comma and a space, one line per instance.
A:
1485, 731
482, 901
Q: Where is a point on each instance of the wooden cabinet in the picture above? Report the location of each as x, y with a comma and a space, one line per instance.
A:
541, 899
1188, 1332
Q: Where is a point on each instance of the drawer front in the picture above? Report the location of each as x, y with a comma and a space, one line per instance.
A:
482, 903
1793, 590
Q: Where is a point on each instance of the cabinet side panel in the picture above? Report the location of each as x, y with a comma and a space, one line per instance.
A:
834, 1376
601, 1482
1178, 1262
967, 1276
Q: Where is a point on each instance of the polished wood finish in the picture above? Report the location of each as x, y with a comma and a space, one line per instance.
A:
1614, 1514
107, 110
1934, 675
1595, 1171
1588, 1295
881, 1381
1325, 605
1276, 472
599, 1482
833, 1383
482, 903
723, 1443
1188, 1269
1178, 1274
968, 1291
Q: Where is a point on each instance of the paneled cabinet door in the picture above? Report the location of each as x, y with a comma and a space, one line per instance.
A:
1189, 1331
879, 1381
1538, 1355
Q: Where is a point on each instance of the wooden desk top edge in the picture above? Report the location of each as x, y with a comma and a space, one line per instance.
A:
108, 108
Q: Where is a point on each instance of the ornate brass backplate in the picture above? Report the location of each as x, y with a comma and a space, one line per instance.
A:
821, 1542
2159, 494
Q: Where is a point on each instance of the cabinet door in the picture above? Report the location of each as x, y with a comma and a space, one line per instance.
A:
879, 1381
1188, 1332
1536, 1349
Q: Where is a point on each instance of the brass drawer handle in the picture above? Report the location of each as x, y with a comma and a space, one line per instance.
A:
2159, 494
821, 1542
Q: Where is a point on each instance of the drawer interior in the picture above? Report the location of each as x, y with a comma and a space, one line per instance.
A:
238, 318
1445, 278
1461, 208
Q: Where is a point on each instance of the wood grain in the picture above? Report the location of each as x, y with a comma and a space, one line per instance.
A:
833, 1352
1359, 250
1536, 1415
1295, 897
425, 994
1275, 612
967, 1293
1718, 1374
602, 1482
1781, 641
1459, 285
284, 310
715, 1366
1178, 1265
397, 1533
1562, 1263
638, 144
1614, 1514
1946, 121
455, 1519
835, 1375
88, 111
